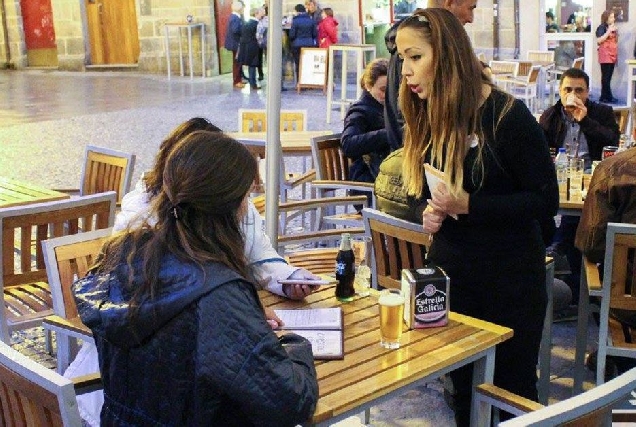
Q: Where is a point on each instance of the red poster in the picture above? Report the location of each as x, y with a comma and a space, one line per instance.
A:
37, 16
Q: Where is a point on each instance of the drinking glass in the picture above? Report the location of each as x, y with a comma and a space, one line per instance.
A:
362, 252
575, 175
391, 304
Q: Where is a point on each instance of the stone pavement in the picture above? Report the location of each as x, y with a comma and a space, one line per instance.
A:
47, 117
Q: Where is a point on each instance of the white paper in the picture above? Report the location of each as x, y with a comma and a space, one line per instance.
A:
324, 343
433, 177
313, 318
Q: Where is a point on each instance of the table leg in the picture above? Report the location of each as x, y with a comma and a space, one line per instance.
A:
581, 334
181, 71
545, 351
483, 372
190, 53
202, 50
167, 50
329, 84
343, 79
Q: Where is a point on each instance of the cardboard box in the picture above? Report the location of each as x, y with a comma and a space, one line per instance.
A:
426, 292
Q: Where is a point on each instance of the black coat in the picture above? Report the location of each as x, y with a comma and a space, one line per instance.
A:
233, 32
303, 31
200, 352
248, 47
599, 127
364, 135
393, 120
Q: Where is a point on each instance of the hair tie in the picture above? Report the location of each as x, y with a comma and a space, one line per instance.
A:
174, 213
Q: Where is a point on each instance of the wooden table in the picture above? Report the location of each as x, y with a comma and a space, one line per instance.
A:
17, 193
296, 143
370, 374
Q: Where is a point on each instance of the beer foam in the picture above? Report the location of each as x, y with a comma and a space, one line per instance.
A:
391, 300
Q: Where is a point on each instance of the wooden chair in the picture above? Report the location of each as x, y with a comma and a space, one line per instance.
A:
256, 120
332, 173
524, 88
501, 69
622, 117
540, 55
397, 244
106, 170
592, 408
27, 298
619, 292
33, 395
68, 258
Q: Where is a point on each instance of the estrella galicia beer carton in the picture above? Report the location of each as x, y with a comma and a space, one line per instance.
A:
426, 297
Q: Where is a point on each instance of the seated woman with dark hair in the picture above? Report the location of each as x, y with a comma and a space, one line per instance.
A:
181, 334
364, 138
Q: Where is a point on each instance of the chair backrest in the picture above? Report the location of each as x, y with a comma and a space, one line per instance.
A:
257, 149
106, 170
23, 228
33, 395
541, 55
578, 62
256, 120
397, 244
481, 56
524, 68
504, 67
620, 273
592, 408
329, 161
533, 74
68, 258
622, 117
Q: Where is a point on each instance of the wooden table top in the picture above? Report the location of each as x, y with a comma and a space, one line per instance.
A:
291, 142
17, 193
368, 371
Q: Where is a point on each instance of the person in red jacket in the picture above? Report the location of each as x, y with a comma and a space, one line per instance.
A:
327, 29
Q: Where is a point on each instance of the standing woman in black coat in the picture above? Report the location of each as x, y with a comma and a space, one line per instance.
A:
364, 138
248, 53
303, 33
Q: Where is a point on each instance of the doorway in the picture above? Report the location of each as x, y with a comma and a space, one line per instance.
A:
112, 32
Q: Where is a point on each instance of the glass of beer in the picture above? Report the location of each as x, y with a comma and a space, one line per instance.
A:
391, 303
575, 175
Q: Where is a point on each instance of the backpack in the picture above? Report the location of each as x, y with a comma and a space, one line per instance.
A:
390, 192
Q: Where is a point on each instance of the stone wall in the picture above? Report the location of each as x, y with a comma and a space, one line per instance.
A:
15, 30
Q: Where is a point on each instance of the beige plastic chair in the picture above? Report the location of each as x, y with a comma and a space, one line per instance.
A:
619, 292
68, 258
503, 69
27, 296
592, 408
540, 55
33, 395
525, 88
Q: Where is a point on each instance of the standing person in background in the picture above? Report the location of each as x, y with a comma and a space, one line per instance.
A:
607, 40
180, 330
303, 33
327, 29
364, 138
261, 39
500, 185
248, 53
550, 25
233, 39
314, 11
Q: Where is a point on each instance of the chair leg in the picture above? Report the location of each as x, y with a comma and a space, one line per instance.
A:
48, 342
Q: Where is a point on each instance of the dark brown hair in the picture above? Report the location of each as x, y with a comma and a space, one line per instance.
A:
206, 178
376, 69
154, 178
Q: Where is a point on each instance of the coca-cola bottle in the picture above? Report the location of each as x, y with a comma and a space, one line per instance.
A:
345, 270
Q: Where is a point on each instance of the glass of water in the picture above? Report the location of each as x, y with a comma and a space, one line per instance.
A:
362, 251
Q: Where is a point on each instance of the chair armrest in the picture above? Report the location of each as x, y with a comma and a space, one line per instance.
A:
503, 399
322, 202
294, 180
592, 276
87, 383
318, 236
343, 185
72, 327
68, 190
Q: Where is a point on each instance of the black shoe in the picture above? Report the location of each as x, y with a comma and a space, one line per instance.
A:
255, 87
568, 314
613, 100
261, 78
283, 89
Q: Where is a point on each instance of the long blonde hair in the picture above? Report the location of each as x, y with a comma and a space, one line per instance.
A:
442, 123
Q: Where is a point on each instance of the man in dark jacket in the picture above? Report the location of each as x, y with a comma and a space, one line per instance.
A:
584, 128
303, 33
232, 40
249, 51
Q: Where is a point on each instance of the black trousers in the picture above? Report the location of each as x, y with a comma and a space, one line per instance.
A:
607, 70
